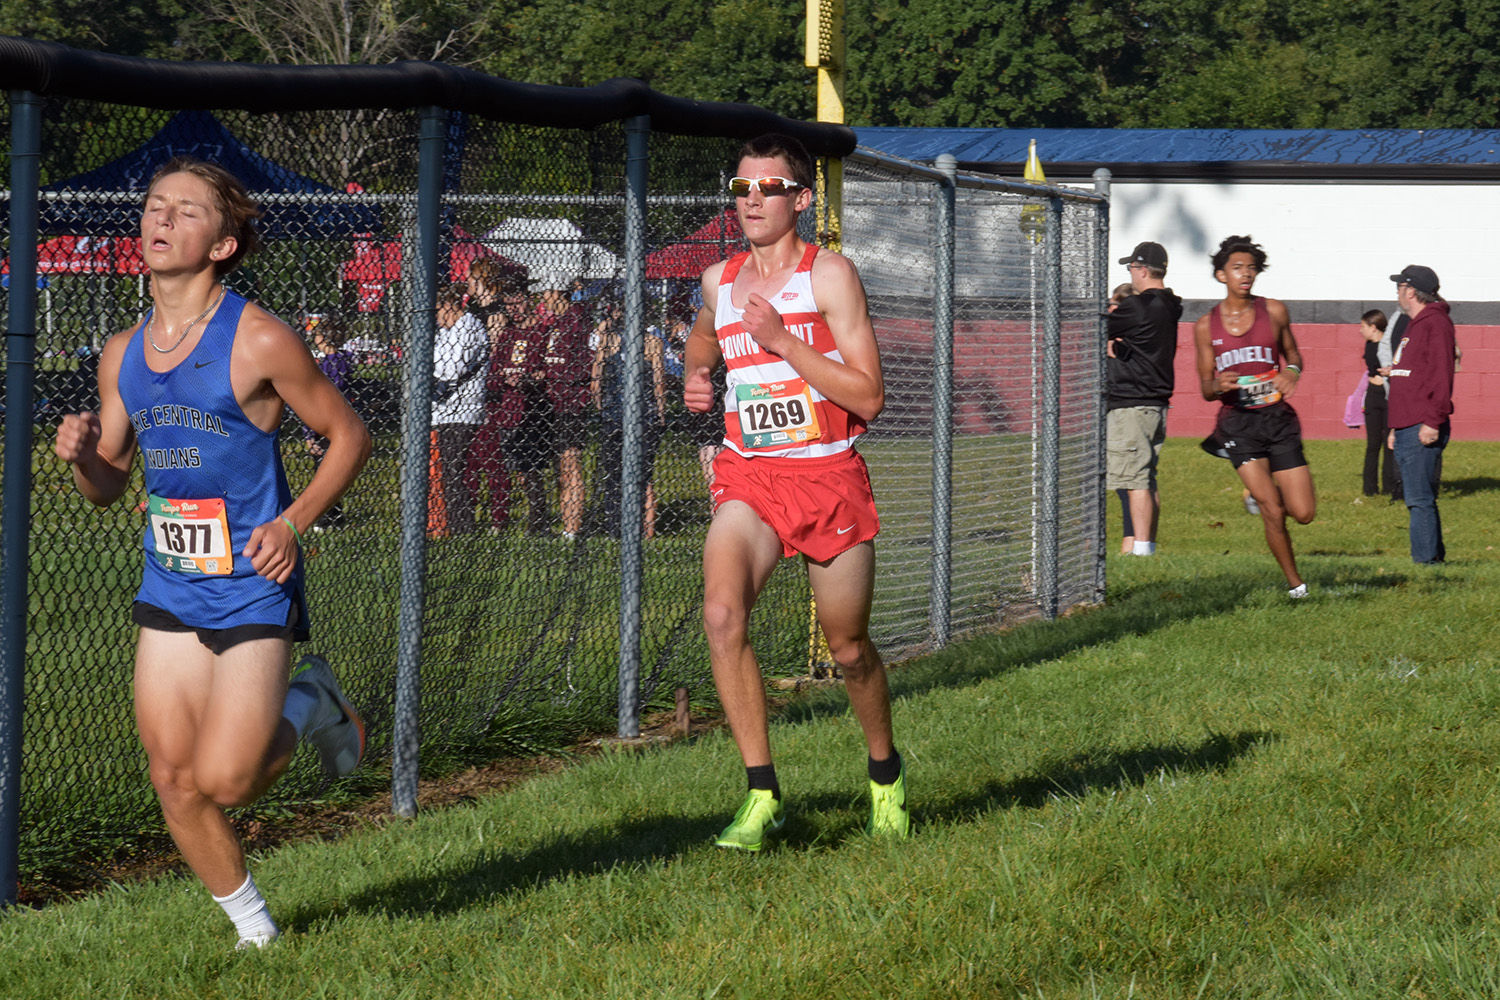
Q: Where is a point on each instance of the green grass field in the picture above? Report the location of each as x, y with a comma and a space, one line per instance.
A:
1200, 789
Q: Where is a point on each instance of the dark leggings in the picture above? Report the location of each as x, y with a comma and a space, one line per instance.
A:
1378, 458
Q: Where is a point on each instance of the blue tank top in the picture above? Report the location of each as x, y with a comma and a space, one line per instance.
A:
212, 477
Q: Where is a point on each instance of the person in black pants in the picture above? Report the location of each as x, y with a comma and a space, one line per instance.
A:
1380, 461
1382, 474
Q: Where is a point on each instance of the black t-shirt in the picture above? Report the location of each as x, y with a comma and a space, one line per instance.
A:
1144, 328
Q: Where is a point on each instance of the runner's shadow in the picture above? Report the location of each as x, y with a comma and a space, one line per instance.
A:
476, 876
1102, 770
1099, 770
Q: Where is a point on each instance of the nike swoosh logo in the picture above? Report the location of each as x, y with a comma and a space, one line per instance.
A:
845, 531
203, 364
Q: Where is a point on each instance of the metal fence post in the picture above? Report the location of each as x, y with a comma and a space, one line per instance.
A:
15, 558
417, 426
940, 610
633, 465
1051, 417
1101, 247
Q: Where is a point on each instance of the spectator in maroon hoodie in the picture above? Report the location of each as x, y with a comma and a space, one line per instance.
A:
1421, 400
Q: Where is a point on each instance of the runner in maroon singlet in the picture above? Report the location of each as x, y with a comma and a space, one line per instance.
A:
1249, 361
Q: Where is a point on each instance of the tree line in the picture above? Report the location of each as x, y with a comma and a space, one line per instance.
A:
1005, 63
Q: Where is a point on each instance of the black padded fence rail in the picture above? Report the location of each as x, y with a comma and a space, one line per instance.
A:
52, 70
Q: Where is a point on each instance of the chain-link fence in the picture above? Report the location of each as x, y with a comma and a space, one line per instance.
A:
992, 514
506, 304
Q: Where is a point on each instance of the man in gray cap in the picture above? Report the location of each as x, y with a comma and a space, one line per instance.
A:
1142, 334
1421, 400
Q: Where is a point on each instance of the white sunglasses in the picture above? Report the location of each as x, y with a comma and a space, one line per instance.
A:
741, 187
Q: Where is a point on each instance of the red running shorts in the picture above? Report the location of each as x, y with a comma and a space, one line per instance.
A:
819, 507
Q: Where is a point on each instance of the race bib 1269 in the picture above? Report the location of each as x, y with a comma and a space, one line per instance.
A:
191, 536
776, 415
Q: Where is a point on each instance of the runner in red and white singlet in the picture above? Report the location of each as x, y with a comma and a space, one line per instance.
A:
806, 481
791, 326
769, 409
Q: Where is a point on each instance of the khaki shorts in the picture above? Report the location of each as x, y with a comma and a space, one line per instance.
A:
1135, 436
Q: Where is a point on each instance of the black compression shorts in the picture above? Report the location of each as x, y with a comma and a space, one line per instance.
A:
1272, 432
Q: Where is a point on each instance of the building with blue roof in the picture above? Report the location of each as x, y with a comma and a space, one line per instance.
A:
1331, 207
1338, 212
1422, 156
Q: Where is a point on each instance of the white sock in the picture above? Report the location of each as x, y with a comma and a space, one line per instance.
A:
1144, 549
301, 705
252, 918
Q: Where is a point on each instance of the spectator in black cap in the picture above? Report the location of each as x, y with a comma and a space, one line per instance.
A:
1142, 333
1421, 400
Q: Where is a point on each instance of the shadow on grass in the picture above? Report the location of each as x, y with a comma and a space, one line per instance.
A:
454, 885
1086, 773
1098, 770
1465, 487
827, 820
1138, 609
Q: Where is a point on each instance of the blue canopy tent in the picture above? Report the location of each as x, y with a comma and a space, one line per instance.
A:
199, 134
103, 206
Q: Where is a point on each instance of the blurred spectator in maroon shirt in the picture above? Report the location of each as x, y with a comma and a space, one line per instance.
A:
514, 369
566, 327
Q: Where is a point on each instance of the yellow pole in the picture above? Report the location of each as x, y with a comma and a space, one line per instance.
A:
1033, 216
825, 53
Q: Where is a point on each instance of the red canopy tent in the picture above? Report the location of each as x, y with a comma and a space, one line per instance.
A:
718, 240
100, 256
87, 255
377, 263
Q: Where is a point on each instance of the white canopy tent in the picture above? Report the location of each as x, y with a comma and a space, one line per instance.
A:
555, 251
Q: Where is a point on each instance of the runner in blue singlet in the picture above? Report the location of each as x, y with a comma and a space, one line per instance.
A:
199, 388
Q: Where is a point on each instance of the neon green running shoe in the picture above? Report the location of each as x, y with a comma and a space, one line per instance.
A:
760, 816
888, 815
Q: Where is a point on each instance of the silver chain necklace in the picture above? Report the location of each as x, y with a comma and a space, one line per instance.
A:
151, 325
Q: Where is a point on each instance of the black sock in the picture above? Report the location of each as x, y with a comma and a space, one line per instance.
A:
763, 776
885, 772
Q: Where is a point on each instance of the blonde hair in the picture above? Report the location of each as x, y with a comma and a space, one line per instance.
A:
237, 210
